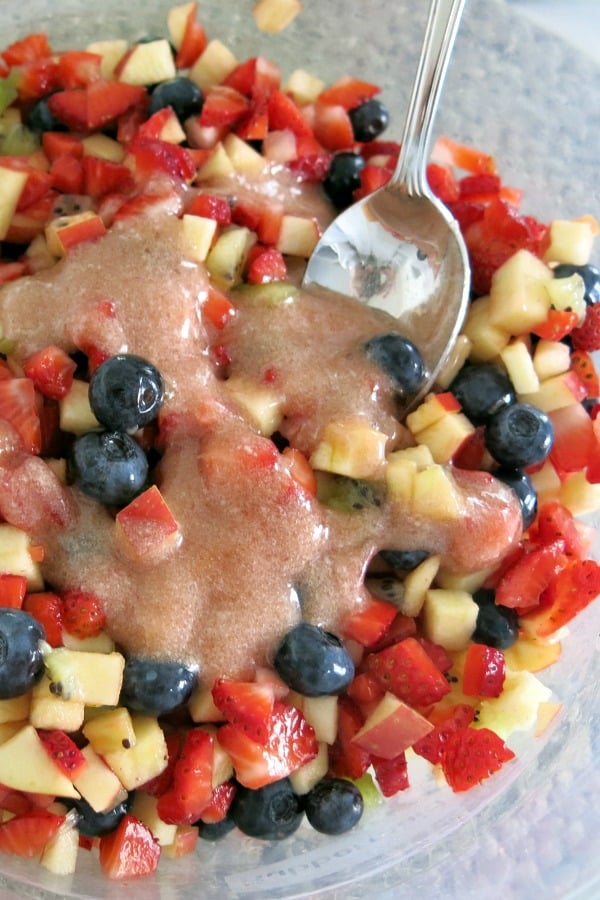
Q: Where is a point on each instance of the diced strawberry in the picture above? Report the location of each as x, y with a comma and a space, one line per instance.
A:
522, 585
471, 755
222, 106
587, 336
346, 758
484, 672
408, 671
369, 624
51, 371
584, 366
211, 206
191, 789
218, 807
479, 183
16, 802
267, 265
60, 143
391, 774
372, 177
255, 123
63, 752
555, 522
98, 104
247, 704
102, 176
217, 308
82, 614
437, 654
432, 746
27, 50
46, 608
10, 271
27, 834
19, 407
256, 77
291, 743
66, 172
461, 156
283, 113
332, 127
348, 92
154, 156
300, 469
193, 43
574, 588
129, 123
247, 212
160, 783
38, 185
130, 851
365, 690
78, 68
37, 79
12, 590
557, 325
443, 182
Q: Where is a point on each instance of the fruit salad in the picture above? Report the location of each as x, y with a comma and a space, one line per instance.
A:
238, 589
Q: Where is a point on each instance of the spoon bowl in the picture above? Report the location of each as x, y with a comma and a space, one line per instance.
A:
399, 249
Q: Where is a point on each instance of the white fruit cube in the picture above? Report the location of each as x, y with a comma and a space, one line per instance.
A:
262, 406
98, 784
59, 856
25, 765
135, 765
551, 358
518, 296
227, 257
486, 339
213, 65
462, 581
435, 495
110, 730
8, 729
298, 236
519, 367
197, 237
75, 412
49, 710
103, 147
449, 618
400, 477
308, 775
445, 436
145, 809
12, 183
546, 482
218, 165
416, 585
554, 393
244, 158
148, 63
93, 678
274, 15
350, 447
111, 51
15, 556
570, 242
201, 706
303, 86
322, 714
431, 410
568, 293
578, 495
101, 643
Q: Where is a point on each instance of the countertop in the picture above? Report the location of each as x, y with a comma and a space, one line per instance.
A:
576, 21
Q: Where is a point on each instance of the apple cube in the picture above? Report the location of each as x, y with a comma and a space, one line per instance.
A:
15, 556
111, 52
571, 242
434, 408
12, 183
400, 474
185, 841
303, 86
298, 236
556, 392
213, 65
201, 706
516, 708
101, 643
8, 729
197, 236
75, 412
486, 339
93, 678
416, 585
218, 165
350, 447
435, 495
445, 436
147, 63
67, 232
228, 255
551, 358
568, 293
148, 757
320, 712
262, 405
546, 482
145, 809
25, 765
50, 710
518, 296
274, 15
145, 529
103, 147
59, 856
110, 730
308, 775
98, 784
462, 581
578, 495
391, 728
449, 618
519, 367
244, 158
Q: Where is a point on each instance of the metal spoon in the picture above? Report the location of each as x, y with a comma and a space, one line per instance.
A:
400, 249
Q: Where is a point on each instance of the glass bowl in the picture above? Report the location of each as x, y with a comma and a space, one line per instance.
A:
530, 100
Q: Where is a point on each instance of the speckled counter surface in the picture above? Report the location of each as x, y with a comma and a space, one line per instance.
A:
534, 830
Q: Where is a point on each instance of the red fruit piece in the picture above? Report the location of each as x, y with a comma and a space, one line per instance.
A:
283, 113
218, 807
18, 406
371, 622
159, 784
154, 156
27, 834
46, 608
555, 522
51, 371
522, 584
27, 50
347, 759
211, 206
437, 654
484, 671
82, 614
267, 265
432, 746
570, 591
587, 336
93, 107
191, 789
558, 323
222, 106
193, 42
78, 68
101, 176
583, 365
408, 671
472, 755
391, 774
12, 590
348, 92
63, 752
130, 851
247, 704
442, 182
291, 743
365, 690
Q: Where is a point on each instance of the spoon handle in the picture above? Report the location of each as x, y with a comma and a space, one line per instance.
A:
442, 26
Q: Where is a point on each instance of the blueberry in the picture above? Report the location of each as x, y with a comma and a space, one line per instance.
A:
523, 487
126, 392
343, 178
369, 120
40, 118
156, 687
590, 275
21, 660
108, 466
214, 831
313, 662
96, 824
496, 626
333, 806
272, 812
404, 560
482, 390
400, 360
519, 435
181, 94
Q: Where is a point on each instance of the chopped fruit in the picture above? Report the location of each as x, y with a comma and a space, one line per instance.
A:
18, 407
51, 371
146, 529
247, 704
522, 585
28, 834
433, 745
67, 232
12, 590
347, 759
64, 752
391, 728
471, 755
130, 851
391, 775
275, 15
191, 789
587, 336
484, 671
370, 624
82, 614
408, 671
98, 104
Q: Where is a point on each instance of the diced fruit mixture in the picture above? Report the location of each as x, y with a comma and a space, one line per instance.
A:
236, 587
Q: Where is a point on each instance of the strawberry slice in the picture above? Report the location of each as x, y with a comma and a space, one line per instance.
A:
283, 113
587, 336
584, 366
82, 614
348, 92
472, 755
219, 805
130, 851
484, 671
247, 704
291, 743
12, 590
391, 774
27, 834
432, 746
370, 624
346, 758
63, 752
101, 176
222, 106
51, 371
574, 588
18, 406
407, 670
267, 265
98, 104
211, 206
522, 585
191, 790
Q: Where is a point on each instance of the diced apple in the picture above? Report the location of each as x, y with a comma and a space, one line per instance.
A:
110, 730
177, 19
59, 856
49, 710
98, 784
462, 581
103, 147
431, 410
546, 482
303, 86
519, 367
518, 296
416, 585
391, 728
459, 354
94, 678
578, 495
570, 241
350, 447
185, 841
551, 358
228, 255
197, 236
445, 436
12, 183
145, 809
147, 63
67, 232
568, 293
547, 712
244, 158
15, 556
75, 412
449, 617
262, 405
146, 530
275, 15
135, 765
308, 775
400, 477
487, 340
516, 708
222, 770
218, 165
213, 65
111, 51
279, 146
320, 712
201, 706
298, 236
435, 495
25, 765
556, 392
